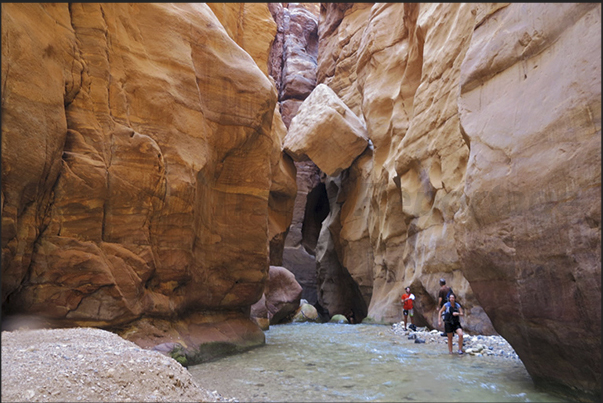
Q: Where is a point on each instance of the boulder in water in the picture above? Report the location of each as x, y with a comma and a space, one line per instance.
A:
306, 313
339, 318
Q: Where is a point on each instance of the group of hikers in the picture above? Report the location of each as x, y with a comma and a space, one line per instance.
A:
449, 312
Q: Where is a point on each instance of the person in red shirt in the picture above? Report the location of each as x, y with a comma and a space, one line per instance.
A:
407, 307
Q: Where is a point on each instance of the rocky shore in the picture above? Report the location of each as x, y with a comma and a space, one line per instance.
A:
476, 345
91, 365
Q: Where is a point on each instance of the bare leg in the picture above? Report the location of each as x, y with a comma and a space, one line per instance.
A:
405, 320
412, 319
460, 333
450, 342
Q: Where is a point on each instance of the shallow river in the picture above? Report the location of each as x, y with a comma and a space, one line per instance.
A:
328, 362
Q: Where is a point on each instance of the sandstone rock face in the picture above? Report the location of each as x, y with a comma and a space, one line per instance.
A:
283, 192
529, 227
283, 294
251, 26
292, 64
138, 157
293, 55
325, 131
398, 200
484, 169
310, 209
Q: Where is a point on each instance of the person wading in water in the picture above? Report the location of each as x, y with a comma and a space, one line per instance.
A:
407, 308
452, 311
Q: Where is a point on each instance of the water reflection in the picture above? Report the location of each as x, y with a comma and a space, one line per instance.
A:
351, 363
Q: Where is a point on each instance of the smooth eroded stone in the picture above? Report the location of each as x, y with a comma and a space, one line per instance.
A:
141, 158
282, 292
339, 318
529, 230
326, 131
306, 313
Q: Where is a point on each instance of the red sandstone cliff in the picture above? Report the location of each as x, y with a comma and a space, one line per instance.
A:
483, 168
141, 157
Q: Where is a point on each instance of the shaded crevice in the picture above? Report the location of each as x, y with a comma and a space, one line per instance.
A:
317, 209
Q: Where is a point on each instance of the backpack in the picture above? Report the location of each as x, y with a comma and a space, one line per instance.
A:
448, 312
448, 294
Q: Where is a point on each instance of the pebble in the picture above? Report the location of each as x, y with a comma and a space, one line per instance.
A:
475, 345
88, 369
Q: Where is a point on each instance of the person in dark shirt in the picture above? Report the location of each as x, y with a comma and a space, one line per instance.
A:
452, 312
443, 293
442, 296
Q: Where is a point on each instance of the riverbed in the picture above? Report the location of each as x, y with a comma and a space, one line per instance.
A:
311, 362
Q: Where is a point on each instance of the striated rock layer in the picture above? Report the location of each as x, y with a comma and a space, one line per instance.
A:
529, 226
396, 203
484, 170
251, 26
292, 64
139, 166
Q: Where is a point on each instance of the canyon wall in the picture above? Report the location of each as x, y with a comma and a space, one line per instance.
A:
529, 226
142, 172
393, 223
145, 188
483, 168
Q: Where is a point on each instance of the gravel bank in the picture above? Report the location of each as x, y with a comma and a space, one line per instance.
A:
480, 346
91, 365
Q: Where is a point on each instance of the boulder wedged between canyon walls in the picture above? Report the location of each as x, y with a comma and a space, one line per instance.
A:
325, 131
152, 162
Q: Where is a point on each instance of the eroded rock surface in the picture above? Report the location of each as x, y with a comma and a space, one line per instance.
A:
325, 131
529, 227
293, 55
484, 170
251, 26
309, 210
292, 63
395, 205
139, 160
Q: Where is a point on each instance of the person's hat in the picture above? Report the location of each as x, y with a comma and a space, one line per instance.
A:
442, 281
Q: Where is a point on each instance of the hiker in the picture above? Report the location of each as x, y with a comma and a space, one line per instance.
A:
407, 308
443, 294
452, 311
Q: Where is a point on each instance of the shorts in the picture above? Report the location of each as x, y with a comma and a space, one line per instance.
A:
408, 311
450, 327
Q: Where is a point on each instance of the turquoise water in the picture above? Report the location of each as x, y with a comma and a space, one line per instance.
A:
328, 362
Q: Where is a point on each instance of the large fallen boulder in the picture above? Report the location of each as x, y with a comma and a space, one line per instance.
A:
282, 295
326, 131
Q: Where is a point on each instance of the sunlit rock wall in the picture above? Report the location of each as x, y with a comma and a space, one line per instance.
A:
251, 26
484, 170
399, 200
529, 226
140, 159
